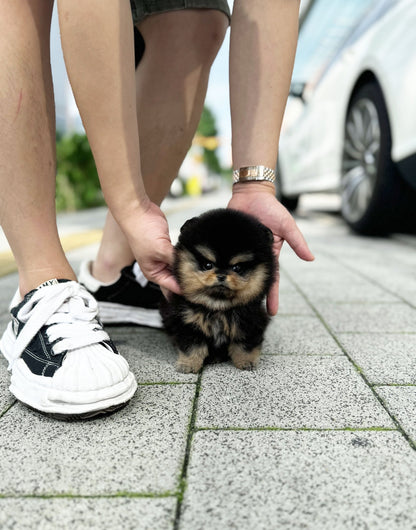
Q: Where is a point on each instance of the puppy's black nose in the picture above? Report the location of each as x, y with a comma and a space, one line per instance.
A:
221, 277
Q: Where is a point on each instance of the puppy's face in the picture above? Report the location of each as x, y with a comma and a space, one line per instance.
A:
224, 268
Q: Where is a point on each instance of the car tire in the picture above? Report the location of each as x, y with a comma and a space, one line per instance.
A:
375, 198
289, 202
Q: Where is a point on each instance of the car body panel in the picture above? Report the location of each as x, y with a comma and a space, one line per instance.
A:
310, 151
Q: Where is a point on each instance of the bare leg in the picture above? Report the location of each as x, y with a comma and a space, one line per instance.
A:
171, 85
27, 149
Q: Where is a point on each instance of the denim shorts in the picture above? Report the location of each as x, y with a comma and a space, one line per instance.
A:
143, 8
140, 9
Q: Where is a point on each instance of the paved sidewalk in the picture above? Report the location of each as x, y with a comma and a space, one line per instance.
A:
321, 436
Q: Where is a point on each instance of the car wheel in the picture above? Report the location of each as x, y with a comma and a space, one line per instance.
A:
372, 191
289, 202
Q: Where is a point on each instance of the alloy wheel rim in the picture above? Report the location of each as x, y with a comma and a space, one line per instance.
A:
360, 158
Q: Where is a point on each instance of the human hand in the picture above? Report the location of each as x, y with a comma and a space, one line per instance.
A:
148, 236
259, 200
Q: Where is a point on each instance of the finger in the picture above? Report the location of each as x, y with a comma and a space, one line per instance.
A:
166, 254
298, 243
273, 298
273, 295
167, 282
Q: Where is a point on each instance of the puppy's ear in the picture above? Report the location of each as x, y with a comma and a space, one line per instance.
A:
189, 224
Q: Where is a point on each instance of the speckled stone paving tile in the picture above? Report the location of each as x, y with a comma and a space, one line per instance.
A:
340, 290
397, 275
369, 317
384, 358
285, 285
150, 354
138, 449
292, 303
297, 480
298, 335
6, 398
4, 320
94, 514
289, 391
401, 402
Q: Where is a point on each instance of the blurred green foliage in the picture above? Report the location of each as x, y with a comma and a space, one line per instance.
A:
208, 128
77, 184
207, 125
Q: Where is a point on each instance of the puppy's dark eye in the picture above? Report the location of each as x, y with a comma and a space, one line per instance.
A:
237, 268
207, 266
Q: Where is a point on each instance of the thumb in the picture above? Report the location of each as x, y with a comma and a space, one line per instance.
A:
167, 281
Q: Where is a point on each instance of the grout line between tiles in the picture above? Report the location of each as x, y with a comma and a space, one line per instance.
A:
357, 368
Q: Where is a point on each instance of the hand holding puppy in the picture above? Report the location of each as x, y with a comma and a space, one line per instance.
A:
147, 231
259, 200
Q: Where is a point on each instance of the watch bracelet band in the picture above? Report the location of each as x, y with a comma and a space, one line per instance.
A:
250, 173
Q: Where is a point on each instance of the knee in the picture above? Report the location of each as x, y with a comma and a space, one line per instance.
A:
191, 35
208, 34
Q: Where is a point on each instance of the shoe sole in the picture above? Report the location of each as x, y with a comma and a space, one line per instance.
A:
112, 313
80, 417
38, 393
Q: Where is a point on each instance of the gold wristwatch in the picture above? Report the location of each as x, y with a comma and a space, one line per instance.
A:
250, 173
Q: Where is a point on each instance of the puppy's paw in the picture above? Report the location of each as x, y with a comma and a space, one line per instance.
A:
188, 368
246, 365
192, 361
244, 360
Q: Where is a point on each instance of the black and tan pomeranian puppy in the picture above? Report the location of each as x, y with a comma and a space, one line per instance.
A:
225, 266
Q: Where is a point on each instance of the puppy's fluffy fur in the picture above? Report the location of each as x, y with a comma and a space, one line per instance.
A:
225, 265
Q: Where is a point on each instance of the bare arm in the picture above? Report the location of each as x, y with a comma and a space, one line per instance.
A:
97, 39
262, 51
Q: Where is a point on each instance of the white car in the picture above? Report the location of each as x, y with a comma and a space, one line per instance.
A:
350, 122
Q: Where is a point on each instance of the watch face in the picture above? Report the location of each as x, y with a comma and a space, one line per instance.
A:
251, 171
254, 173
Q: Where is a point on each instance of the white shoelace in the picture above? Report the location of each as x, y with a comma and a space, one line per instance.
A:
71, 313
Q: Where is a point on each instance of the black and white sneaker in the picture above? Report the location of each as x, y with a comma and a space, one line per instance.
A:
61, 360
131, 299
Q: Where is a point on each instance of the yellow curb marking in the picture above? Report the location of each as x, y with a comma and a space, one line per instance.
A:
68, 242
